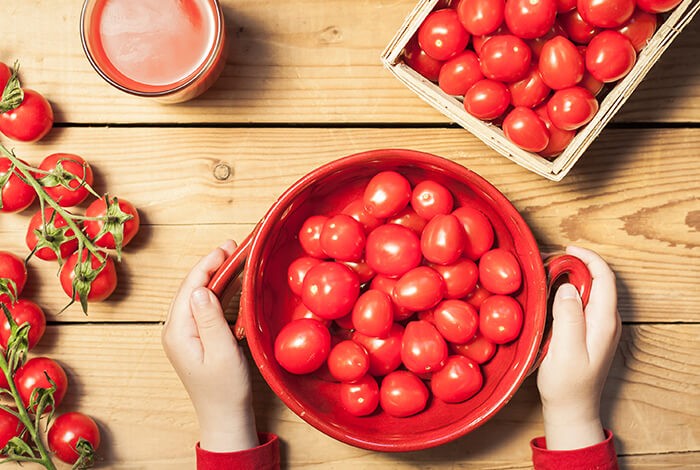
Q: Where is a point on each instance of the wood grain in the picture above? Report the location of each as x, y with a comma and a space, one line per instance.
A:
119, 375
303, 61
633, 198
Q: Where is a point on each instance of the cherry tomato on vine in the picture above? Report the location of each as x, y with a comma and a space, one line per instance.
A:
118, 225
418, 60
343, 238
531, 90
356, 210
576, 27
423, 349
330, 290
487, 99
499, 271
30, 120
657, 6
561, 64
392, 250
373, 313
606, 13
460, 277
90, 281
610, 56
403, 394
297, 271
430, 198
458, 380
32, 375
419, 289
13, 277
409, 219
524, 128
69, 434
571, 108
639, 28
302, 346
348, 361
478, 349
386, 194
441, 35
66, 169
310, 235
559, 139
51, 234
24, 311
478, 229
10, 425
529, 19
16, 194
480, 17
384, 353
500, 319
361, 397
456, 320
458, 74
505, 58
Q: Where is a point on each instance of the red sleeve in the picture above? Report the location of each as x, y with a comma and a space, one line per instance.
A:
266, 456
599, 456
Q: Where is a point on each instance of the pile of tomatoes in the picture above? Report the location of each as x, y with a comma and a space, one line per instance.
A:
33, 375
534, 67
401, 287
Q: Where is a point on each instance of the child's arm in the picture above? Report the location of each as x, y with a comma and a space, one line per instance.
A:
573, 372
203, 351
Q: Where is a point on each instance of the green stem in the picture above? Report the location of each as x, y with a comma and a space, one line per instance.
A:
26, 171
24, 417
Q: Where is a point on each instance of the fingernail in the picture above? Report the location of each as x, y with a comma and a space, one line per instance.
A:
200, 296
567, 291
225, 244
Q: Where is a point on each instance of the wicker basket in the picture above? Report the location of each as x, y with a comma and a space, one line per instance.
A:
492, 135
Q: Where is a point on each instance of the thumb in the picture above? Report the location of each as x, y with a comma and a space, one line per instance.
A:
569, 325
209, 317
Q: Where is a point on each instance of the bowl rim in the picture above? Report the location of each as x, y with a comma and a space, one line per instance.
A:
538, 288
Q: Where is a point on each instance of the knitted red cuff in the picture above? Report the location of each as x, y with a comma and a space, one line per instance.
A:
599, 456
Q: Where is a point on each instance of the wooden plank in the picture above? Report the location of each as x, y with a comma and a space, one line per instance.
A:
633, 198
119, 375
303, 61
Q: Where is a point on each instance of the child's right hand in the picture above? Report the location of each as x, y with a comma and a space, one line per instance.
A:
572, 374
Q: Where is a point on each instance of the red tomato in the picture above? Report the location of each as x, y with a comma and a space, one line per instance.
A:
114, 228
384, 353
330, 290
639, 29
565, 5
427, 315
409, 219
10, 425
373, 313
310, 235
480, 17
505, 58
344, 322
441, 35
610, 56
302, 311
478, 229
360, 398
499, 271
423, 349
500, 319
531, 90
362, 269
571, 108
419, 289
529, 19
24, 311
458, 74
487, 99
478, 349
456, 320
576, 27
13, 277
524, 128
70, 169
66, 432
32, 376
302, 346
418, 60
297, 271
392, 250
460, 277
5, 74
657, 6
356, 210
82, 280
606, 13
343, 238
430, 198
537, 43
559, 139
386, 194
16, 194
459, 380
30, 121
403, 394
443, 239
477, 296
478, 41
52, 237
348, 361
386, 285
561, 65
590, 83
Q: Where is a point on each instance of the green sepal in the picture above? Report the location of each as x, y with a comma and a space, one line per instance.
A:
17, 343
17, 447
8, 287
12, 95
51, 237
83, 276
113, 223
86, 454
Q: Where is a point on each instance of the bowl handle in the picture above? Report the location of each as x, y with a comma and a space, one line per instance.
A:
229, 271
578, 274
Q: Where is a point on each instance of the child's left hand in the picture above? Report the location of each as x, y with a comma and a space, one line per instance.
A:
203, 351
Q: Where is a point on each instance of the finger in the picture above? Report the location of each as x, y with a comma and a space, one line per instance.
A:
568, 325
602, 304
214, 331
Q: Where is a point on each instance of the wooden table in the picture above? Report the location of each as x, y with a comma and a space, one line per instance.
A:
303, 86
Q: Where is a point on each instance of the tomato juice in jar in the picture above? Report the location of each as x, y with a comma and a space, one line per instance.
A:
171, 50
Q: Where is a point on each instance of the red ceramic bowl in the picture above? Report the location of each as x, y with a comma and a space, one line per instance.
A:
267, 303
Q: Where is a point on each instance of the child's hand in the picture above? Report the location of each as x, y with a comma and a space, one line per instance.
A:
573, 372
199, 344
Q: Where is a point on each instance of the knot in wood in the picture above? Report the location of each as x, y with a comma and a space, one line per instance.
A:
222, 171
